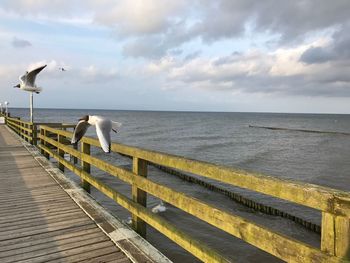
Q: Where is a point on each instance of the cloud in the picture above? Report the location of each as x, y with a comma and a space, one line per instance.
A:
95, 75
153, 28
139, 17
336, 50
257, 72
20, 43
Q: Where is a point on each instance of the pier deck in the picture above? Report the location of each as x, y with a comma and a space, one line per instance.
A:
39, 222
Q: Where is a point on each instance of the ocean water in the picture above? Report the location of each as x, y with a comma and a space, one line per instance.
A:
227, 139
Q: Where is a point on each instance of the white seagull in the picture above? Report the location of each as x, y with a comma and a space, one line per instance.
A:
27, 81
103, 129
159, 208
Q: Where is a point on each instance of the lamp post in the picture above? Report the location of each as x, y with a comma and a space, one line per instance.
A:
0, 108
6, 109
31, 107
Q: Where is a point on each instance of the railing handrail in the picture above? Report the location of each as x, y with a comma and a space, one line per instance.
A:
19, 121
318, 197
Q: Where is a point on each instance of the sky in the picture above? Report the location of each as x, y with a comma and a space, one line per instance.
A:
199, 55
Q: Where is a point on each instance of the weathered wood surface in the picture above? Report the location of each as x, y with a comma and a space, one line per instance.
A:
39, 222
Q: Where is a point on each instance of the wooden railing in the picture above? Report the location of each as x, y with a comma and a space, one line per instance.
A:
334, 204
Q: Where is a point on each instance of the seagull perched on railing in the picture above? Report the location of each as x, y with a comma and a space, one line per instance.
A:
103, 129
27, 81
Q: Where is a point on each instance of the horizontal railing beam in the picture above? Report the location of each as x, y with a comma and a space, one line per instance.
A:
21, 127
18, 120
318, 197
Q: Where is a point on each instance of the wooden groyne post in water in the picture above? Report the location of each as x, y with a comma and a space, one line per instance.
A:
333, 204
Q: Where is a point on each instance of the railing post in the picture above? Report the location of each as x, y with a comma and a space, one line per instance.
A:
85, 148
335, 237
42, 140
139, 168
60, 139
34, 129
46, 154
75, 159
21, 129
26, 132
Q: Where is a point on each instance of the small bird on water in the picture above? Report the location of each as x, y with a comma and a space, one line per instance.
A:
159, 208
27, 81
104, 127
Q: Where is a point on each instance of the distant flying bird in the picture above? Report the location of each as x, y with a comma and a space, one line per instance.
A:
103, 129
27, 81
62, 69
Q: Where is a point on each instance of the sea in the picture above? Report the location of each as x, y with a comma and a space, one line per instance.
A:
228, 139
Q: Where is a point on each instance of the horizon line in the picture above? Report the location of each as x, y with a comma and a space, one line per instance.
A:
194, 111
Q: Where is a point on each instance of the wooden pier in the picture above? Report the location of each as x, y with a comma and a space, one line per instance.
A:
39, 221
53, 143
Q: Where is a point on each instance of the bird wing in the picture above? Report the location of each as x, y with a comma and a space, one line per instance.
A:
103, 134
30, 77
116, 125
22, 79
79, 131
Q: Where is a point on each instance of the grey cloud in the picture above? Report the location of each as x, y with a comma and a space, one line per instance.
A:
292, 21
147, 48
156, 46
172, 25
339, 49
330, 81
314, 55
227, 59
193, 55
20, 43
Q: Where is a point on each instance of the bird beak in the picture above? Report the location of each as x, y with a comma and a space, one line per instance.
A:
17, 86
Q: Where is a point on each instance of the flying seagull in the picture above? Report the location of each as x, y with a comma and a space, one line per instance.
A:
62, 69
103, 129
27, 81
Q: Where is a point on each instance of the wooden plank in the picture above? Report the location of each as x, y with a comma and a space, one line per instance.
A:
33, 186
43, 220
39, 196
34, 198
24, 240
33, 191
33, 202
95, 256
116, 257
42, 206
34, 216
68, 250
39, 229
28, 227
34, 205
54, 244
